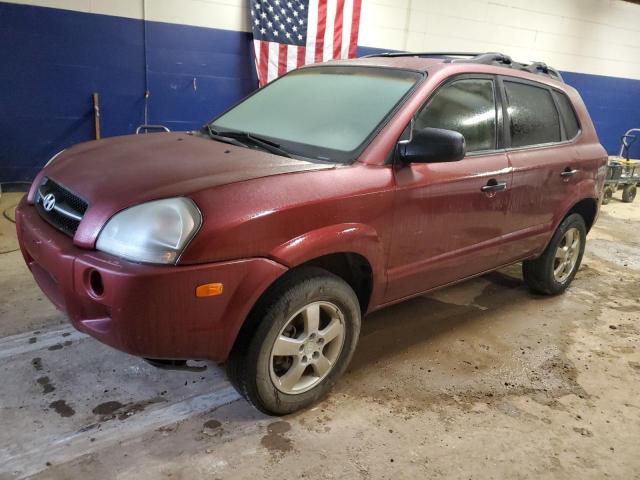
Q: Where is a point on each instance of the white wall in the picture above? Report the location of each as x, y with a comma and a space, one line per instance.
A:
224, 14
588, 36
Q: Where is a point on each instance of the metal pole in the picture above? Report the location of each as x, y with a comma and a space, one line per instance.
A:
96, 113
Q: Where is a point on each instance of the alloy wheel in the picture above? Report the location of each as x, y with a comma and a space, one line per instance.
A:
566, 255
307, 347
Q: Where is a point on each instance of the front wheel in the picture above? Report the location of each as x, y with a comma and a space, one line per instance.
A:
608, 195
553, 271
629, 193
305, 331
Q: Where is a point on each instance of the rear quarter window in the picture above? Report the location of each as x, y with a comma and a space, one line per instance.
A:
533, 115
568, 114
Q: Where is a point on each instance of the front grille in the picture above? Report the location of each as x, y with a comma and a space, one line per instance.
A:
67, 211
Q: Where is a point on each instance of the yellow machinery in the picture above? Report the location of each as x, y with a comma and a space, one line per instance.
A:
623, 173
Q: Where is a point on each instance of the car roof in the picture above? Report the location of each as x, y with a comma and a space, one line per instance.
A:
410, 63
488, 63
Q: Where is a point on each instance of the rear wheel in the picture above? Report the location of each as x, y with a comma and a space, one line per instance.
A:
608, 195
305, 332
629, 193
553, 271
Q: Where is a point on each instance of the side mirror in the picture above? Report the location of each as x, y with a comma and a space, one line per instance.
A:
430, 145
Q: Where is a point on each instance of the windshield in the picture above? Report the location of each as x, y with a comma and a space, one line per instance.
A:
323, 112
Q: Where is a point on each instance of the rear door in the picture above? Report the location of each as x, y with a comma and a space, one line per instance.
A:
543, 159
447, 224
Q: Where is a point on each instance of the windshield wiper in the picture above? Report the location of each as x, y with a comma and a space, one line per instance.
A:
261, 142
222, 137
232, 137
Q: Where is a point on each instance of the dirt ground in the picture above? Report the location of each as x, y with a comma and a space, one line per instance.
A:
481, 380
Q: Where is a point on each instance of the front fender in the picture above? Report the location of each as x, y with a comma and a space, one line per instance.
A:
341, 238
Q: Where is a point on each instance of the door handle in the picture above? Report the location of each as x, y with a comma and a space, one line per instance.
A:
494, 186
568, 173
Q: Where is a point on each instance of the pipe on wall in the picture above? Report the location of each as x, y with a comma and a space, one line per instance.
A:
147, 94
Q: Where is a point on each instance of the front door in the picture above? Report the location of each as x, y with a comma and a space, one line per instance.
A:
448, 222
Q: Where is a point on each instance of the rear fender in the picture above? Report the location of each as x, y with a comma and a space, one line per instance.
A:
586, 189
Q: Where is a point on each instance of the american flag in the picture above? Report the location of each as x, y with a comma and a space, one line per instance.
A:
290, 33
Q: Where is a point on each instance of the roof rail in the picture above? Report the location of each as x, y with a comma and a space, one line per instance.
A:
540, 67
489, 58
422, 54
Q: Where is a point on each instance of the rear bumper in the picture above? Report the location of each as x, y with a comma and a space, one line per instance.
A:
145, 310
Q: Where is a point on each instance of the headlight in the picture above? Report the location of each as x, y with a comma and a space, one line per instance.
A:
154, 232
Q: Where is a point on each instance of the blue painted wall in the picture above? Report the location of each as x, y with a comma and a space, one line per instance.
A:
614, 105
52, 60
220, 61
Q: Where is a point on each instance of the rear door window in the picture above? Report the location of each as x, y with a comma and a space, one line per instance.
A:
466, 106
568, 114
533, 118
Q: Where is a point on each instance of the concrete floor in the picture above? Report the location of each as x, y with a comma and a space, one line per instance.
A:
481, 380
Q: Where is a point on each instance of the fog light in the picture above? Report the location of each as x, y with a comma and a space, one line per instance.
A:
95, 283
209, 290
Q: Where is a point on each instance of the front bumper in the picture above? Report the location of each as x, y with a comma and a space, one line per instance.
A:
145, 310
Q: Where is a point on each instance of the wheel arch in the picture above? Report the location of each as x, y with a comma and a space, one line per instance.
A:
350, 251
351, 267
587, 208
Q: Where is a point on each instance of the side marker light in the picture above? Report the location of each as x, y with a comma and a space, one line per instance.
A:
209, 290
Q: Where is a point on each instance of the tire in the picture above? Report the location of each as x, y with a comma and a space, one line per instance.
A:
629, 193
544, 274
287, 310
608, 194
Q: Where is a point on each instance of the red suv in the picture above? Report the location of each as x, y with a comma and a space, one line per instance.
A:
338, 189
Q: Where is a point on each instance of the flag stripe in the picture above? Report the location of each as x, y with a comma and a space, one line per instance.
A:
322, 26
274, 58
292, 57
312, 29
355, 25
327, 48
282, 58
346, 28
264, 63
301, 56
337, 29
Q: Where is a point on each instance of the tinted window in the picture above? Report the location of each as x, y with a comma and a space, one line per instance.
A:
533, 115
567, 114
466, 106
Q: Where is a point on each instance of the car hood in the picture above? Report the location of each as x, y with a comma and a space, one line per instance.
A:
119, 172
